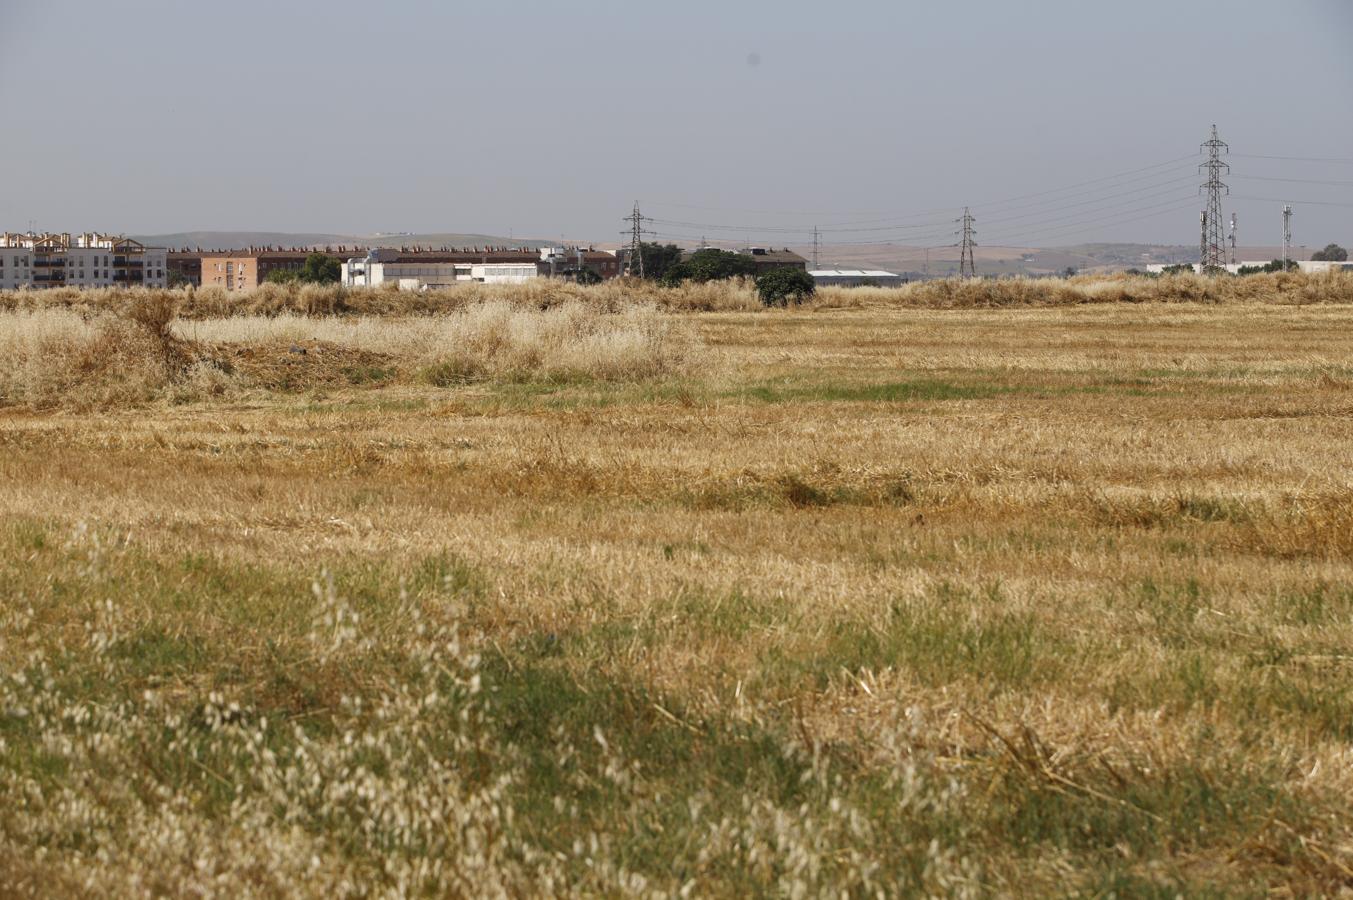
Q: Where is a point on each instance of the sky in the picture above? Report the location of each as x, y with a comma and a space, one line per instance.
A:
1058, 122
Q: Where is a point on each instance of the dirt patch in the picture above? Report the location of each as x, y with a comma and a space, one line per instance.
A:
302, 365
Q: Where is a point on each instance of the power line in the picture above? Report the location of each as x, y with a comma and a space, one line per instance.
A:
1343, 160
1135, 197
1298, 202
1029, 237
1296, 180
1065, 224
930, 212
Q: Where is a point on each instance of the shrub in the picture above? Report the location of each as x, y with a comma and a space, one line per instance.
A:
779, 287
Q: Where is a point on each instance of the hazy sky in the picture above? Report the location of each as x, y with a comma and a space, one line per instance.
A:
552, 118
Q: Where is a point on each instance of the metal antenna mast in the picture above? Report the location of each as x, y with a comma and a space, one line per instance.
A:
817, 243
1213, 245
635, 267
1233, 239
1287, 235
966, 267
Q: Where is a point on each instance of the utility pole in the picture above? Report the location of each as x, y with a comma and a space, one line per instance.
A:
1233, 239
1213, 246
635, 267
817, 243
967, 268
1287, 235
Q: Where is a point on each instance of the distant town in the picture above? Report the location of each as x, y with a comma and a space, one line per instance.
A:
44, 260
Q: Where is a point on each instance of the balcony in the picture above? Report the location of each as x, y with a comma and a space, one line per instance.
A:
122, 261
41, 263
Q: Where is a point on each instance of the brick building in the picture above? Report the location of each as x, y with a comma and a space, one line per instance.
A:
244, 270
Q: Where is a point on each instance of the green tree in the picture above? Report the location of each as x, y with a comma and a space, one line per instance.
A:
1277, 265
283, 276
780, 287
586, 276
658, 259
320, 268
1331, 253
710, 265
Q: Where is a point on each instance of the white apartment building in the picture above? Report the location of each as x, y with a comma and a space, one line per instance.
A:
90, 260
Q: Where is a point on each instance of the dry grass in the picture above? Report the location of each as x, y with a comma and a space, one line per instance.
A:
1023, 601
738, 295
58, 357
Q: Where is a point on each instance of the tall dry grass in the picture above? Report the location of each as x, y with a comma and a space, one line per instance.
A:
1277, 288
61, 357
1288, 288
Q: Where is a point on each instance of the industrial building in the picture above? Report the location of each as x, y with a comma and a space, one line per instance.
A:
431, 270
768, 259
89, 260
856, 278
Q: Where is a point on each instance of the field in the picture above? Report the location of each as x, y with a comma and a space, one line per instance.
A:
876, 596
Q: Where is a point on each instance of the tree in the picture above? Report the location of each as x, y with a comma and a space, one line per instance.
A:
1181, 269
586, 276
318, 268
710, 265
1331, 253
780, 287
658, 258
1277, 265
283, 276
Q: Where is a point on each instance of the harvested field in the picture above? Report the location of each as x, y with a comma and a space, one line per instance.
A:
1055, 599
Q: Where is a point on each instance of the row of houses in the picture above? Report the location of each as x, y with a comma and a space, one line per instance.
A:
92, 259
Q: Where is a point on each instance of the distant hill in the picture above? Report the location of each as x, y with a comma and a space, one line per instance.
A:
238, 240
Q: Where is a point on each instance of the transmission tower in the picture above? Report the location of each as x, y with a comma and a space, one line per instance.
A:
966, 267
817, 243
1213, 249
1287, 235
635, 268
1233, 239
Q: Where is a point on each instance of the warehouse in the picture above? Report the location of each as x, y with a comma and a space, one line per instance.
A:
856, 278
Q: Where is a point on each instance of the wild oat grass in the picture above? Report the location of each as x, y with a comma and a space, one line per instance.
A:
57, 357
738, 295
1023, 601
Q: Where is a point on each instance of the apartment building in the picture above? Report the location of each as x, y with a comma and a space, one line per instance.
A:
89, 260
244, 270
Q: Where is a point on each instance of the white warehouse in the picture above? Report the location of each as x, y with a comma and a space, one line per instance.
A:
432, 270
90, 260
